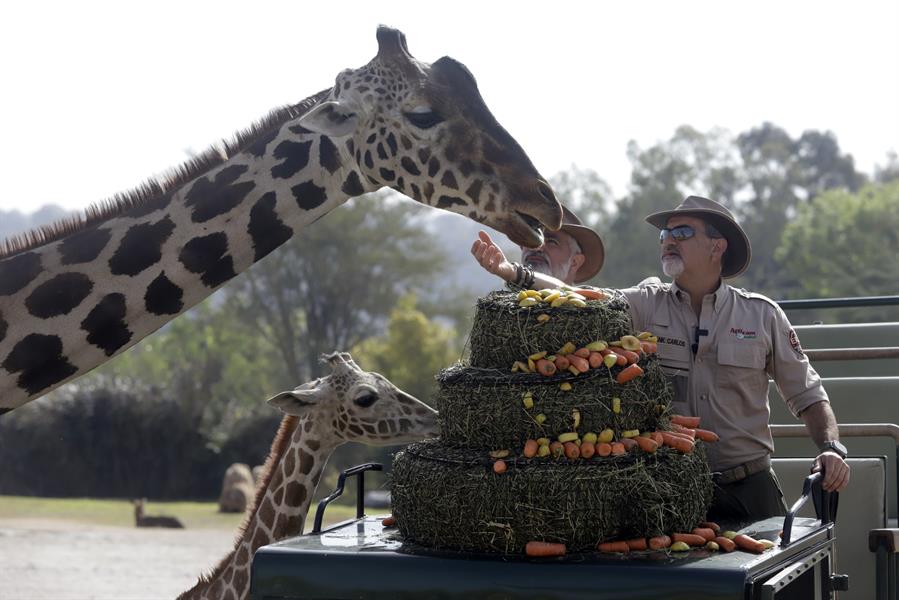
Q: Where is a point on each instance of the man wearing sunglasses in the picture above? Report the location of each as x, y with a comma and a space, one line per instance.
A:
718, 345
569, 256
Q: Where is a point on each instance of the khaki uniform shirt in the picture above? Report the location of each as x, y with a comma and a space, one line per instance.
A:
741, 339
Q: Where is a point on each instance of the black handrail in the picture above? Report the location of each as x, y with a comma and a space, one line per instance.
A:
839, 302
359, 471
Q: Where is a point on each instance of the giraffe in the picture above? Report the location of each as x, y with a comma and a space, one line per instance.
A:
77, 293
347, 405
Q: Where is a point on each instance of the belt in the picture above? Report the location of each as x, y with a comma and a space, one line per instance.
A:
742, 471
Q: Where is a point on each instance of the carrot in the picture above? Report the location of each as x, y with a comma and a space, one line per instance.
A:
686, 421
579, 363
562, 363
617, 449
691, 433
556, 449
572, 450
545, 367
595, 360
725, 544
628, 443
613, 547
636, 544
588, 449
707, 436
690, 539
711, 525
629, 373
649, 347
678, 443
657, 437
659, 542
582, 352
389, 521
603, 448
646, 444
744, 542
632, 357
544, 549
591, 294
530, 449
705, 532
499, 467
620, 359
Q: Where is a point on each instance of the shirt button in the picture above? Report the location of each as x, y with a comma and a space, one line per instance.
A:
703, 397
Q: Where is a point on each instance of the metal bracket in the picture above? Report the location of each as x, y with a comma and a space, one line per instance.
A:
338, 491
777, 583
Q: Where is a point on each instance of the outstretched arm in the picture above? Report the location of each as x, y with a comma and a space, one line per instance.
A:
822, 426
491, 257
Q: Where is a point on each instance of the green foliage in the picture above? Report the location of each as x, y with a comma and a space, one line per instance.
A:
845, 244
413, 350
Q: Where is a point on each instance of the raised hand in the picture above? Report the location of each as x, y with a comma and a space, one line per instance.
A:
489, 256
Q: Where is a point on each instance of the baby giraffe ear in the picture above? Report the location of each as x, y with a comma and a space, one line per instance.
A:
334, 118
295, 402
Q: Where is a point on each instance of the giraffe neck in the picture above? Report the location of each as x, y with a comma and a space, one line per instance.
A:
70, 304
283, 497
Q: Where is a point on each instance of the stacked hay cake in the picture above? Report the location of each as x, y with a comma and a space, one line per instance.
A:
500, 475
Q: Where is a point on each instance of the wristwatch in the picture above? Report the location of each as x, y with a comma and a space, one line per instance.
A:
836, 447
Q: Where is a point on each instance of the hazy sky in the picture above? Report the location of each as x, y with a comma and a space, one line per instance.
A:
96, 97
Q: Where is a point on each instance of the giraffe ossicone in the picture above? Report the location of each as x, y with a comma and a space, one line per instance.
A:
348, 405
75, 294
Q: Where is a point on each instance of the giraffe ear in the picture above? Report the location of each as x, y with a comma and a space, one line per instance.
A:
295, 402
334, 118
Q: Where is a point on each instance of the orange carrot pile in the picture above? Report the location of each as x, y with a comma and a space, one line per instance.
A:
544, 549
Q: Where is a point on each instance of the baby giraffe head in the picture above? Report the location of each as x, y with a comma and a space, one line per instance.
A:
360, 406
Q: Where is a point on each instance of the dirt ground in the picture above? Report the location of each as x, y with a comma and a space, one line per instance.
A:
43, 559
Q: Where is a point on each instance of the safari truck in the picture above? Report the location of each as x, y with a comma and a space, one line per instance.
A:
842, 547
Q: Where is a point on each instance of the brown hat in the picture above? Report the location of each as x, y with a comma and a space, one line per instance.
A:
738, 253
588, 240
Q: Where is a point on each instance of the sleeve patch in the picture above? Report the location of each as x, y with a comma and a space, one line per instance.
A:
794, 342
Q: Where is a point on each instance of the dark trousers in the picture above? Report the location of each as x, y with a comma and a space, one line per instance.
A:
753, 498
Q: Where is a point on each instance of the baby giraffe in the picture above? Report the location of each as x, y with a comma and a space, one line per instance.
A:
348, 405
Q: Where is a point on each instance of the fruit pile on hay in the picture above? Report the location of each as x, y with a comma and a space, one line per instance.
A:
451, 498
485, 407
502, 332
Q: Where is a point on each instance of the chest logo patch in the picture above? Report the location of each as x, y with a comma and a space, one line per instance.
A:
743, 334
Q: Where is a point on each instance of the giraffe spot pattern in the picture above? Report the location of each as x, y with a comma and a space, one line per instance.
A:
105, 324
328, 157
141, 247
447, 202
313, 445
352, 186
299, 130
382, 154
294, 157
308, 195
207, 256
410, 165
449, 180
474, 191
267, 512
83, 246
306, 462
266, 228
210, 199
59, 295
466, 168
150, 206
18, 271
258, 146
163, 297
368, 160
279, 495
387, 174
391, 143
433, 166
240, 577
242, 557
40, 361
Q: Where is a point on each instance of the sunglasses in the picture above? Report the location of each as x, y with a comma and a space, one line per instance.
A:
680, 233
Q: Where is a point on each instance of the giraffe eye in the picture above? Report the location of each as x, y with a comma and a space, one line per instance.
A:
366, 400
424, 120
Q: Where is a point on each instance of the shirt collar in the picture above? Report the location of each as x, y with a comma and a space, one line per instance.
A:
720, 293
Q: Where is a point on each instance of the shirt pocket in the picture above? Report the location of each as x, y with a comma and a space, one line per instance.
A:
741, 366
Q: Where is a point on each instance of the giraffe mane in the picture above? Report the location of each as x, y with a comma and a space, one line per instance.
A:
155, 188
279, 446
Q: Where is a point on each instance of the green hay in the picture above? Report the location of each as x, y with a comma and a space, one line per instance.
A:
483, 408
503, 332
445, 497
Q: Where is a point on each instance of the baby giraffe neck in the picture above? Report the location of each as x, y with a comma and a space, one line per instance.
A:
292, 473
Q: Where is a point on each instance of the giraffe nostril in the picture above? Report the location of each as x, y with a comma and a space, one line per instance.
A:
546, 191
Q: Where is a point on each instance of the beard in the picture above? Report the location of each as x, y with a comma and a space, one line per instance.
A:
541, 264
672, 266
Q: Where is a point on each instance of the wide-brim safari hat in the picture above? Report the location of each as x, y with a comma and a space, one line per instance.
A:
738, 253
590, 243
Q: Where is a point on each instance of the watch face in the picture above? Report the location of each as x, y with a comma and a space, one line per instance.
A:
837, 447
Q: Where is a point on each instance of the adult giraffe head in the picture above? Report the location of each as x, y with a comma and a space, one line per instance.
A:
409, 124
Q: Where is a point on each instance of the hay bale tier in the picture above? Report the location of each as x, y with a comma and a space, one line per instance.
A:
449, 494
